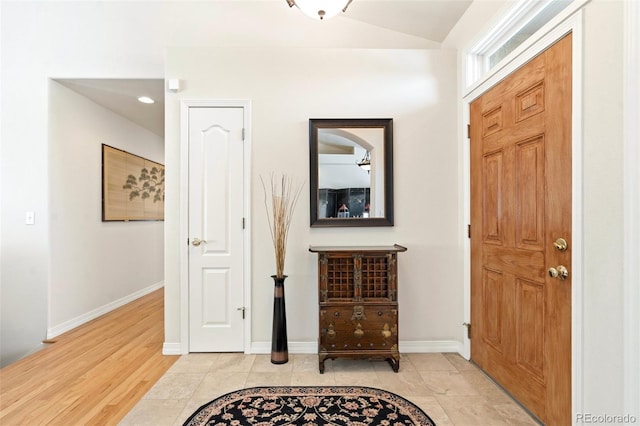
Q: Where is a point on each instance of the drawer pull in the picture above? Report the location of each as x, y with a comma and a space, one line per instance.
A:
386, 331
336, 314
379, 313
358, 333
331, 333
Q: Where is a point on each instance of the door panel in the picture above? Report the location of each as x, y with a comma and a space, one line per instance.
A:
216, 182
492, 290
215, 294
216, 252
520, 204
529, 326
529, 175
491, 192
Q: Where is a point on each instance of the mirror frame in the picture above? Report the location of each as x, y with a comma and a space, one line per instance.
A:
332, 123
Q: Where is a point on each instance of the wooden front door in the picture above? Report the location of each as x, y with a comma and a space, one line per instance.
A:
520, 211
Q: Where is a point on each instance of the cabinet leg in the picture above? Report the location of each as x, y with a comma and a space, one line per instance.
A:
395, 363
321, 360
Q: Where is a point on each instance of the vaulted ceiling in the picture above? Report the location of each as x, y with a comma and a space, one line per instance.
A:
429, 20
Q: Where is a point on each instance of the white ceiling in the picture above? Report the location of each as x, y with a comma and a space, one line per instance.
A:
427, 19
431, 20
121, 97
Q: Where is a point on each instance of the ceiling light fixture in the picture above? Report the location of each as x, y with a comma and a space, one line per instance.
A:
320, 9
365, 163
146, 100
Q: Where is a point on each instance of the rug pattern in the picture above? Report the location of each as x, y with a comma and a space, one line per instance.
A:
310, 406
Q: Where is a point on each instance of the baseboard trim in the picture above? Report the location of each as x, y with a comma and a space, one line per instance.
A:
91, 315
431, 346
171, 348
294, 348
426, 346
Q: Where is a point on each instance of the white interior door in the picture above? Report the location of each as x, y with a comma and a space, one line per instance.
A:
216, 242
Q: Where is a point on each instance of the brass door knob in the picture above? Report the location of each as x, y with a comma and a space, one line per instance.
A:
560, 272
561, 244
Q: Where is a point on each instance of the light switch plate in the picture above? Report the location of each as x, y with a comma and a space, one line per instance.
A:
30, 218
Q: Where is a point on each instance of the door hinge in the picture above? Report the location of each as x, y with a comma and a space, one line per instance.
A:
243, 223
243, 133
468, 131
468, 325
187, 241
469, 231
242, 309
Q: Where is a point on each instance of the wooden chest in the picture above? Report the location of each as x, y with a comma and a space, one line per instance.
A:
358, 298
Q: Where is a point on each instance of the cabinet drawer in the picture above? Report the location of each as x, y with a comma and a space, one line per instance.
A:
359, 327
347, 314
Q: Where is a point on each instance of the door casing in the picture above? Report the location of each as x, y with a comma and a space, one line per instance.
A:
184, 214
530, 49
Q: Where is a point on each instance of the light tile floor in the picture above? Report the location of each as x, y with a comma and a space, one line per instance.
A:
449, 389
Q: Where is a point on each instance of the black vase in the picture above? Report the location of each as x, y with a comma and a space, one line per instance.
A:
279, 349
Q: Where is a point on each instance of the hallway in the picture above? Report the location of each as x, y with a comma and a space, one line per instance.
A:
92, 375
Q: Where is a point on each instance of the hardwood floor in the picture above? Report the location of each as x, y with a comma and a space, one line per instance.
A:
92, 375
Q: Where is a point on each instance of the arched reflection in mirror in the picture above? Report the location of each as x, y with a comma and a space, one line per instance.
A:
351, 172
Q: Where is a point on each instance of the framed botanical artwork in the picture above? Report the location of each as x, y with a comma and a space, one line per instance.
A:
132, 187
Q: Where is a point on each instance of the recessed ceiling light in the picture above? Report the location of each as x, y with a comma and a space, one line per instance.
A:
146, 100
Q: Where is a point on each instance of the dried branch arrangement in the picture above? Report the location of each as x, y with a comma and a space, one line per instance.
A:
284, 195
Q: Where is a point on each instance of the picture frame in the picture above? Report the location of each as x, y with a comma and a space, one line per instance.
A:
132, 187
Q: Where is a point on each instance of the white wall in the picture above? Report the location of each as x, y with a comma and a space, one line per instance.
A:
94, 263
631, 155
414, 87
603, 344
43, 40
40, 41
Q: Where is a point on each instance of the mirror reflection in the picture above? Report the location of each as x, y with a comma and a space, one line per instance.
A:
350, 176
350, 172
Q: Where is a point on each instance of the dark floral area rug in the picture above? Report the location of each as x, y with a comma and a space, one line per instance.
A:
309, 406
